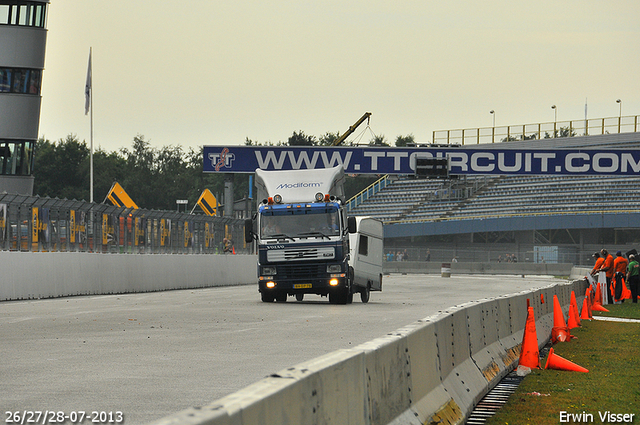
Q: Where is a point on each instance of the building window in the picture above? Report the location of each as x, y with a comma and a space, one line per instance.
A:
17, 80
16, 157
25, 13
363, 246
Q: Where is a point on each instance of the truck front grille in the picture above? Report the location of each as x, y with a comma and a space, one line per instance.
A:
301, 254
301, 271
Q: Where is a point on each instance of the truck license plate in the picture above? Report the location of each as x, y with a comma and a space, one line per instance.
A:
301, 286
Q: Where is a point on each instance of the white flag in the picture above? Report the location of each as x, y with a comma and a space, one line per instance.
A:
87, 88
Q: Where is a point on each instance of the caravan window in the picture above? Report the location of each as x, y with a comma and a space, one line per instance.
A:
363, 245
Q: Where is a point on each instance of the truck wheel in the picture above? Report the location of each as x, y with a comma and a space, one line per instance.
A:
267, 297
364, 294
281, 297
299, 297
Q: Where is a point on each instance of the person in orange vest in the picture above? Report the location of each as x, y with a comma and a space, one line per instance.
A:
620, 269
607, 267
633, 277
599, 262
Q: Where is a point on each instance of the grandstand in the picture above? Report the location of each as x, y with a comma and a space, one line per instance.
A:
473, 215
413, 200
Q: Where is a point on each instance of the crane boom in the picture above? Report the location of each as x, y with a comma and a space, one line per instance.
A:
351, 129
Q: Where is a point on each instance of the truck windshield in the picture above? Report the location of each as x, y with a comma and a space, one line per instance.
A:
303, 224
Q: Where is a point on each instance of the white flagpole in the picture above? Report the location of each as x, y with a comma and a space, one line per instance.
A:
89, 107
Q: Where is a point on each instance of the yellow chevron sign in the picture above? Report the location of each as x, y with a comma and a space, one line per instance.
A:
120, 198
208, 202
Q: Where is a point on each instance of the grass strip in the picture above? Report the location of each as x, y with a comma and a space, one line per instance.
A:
610, 350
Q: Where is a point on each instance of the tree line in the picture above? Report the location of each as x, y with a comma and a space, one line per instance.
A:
154, 177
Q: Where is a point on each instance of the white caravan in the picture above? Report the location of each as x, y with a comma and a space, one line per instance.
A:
366, 256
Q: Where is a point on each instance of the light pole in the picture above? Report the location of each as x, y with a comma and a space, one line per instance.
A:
555, 120
619, 102
493, 129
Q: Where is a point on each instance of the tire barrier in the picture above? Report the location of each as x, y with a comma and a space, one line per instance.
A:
432, 371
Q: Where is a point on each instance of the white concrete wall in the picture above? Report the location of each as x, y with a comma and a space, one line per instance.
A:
31, 275
432, 371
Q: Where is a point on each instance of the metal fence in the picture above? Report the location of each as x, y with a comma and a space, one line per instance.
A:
505, 254
590, 127
31, 223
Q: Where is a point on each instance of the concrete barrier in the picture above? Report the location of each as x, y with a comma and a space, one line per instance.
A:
432, 371
562, 269
32, 275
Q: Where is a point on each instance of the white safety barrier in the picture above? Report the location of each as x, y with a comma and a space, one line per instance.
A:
432, 371
33, 275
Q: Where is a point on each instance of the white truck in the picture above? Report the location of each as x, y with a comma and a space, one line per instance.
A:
306, 243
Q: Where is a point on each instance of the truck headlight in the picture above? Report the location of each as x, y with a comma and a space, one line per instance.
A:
269, 271
334, 268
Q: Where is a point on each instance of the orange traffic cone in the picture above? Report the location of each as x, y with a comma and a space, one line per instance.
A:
597, 304
589, 297
576, 311
626, 293
529, 355
585, 315
571, 319
556, 362
598, 299
560, 331
598, 307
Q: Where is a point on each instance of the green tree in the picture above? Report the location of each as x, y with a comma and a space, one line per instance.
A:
301, 139
379, 140
328, 138
61, 169
561, 132
108, 167
403, 141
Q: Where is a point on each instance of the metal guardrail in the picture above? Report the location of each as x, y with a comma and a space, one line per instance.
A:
32, 223
368, 192
589, 127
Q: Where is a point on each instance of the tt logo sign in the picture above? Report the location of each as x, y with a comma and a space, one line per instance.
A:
224, 159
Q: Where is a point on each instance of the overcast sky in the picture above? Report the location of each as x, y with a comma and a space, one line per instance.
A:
214, 72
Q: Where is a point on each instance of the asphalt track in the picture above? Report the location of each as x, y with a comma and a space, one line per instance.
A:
153, 354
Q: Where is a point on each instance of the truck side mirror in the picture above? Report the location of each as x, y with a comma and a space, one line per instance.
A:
248, 230
351, 224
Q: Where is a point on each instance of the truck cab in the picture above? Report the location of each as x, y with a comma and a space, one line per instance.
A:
302, 234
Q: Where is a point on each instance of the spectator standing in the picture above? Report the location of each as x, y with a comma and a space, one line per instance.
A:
633, 277
599, 263
620, 268
607, 267
228, 246
428, 257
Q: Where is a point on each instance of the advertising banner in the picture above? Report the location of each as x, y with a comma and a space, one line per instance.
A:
72, 226
462, 161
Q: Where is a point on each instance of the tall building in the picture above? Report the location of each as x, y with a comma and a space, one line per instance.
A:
23, 37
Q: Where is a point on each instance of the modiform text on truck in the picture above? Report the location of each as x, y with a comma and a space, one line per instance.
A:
304, 238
